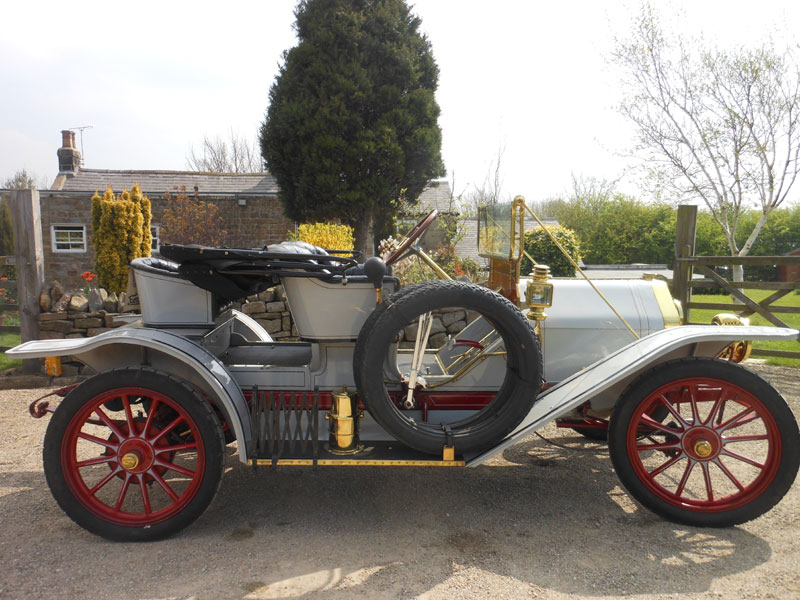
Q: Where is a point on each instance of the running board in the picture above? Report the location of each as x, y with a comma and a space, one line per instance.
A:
623, 366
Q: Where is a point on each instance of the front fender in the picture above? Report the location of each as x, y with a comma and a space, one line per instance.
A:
139, 346
608, 377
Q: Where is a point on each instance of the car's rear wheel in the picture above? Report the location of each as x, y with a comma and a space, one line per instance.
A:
133, 455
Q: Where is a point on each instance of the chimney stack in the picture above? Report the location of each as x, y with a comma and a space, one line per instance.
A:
69, 158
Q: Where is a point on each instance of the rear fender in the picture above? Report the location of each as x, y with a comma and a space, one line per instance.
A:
135, 347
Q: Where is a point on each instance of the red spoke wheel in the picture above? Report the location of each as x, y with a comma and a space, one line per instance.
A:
133, 455
704, 442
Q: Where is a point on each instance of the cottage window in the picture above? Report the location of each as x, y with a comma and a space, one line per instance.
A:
69, 238
156, 243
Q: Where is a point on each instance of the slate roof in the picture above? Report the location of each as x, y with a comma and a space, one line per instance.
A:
436, 195
158, 182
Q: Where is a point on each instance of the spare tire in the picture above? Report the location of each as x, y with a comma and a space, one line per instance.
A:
479, 429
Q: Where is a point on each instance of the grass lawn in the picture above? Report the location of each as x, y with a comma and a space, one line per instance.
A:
702, 315
8, 340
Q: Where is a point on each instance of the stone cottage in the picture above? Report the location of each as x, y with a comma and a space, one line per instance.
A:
248, 204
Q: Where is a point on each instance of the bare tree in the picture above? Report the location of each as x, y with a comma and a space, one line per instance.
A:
491, 190
22, 180
713, 125
235, 155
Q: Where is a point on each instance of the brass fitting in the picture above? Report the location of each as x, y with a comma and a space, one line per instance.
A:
343, 424
539, 293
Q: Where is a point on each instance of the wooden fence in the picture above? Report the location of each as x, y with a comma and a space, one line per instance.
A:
8, 303
686, 264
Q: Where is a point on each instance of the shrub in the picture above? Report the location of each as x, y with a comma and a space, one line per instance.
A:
118, 234
330, 236
539, 245
189, 220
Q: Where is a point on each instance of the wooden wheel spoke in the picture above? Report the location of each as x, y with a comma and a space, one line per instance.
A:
659, 446
174, 467
648, 421
739, 420
707, 479
100, 441
175, 448
126, 403
145, 496
167, 429
109, 423
123, 492
684, 480
744, 459
666, 465
730, 475
99, 460
745, 438
150, 413
170, 492
104, 481
671, 408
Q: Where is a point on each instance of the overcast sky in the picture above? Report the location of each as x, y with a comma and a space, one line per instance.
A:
152, 78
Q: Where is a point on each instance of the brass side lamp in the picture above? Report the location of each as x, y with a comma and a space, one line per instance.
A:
539, 293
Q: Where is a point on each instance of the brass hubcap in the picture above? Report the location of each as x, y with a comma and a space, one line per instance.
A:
129, 461
703, 448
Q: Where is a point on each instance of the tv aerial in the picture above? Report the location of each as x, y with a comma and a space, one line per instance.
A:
81, 128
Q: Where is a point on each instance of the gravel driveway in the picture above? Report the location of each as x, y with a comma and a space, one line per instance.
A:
540, 522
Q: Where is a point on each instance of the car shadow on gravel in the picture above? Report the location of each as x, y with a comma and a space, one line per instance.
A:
541, 518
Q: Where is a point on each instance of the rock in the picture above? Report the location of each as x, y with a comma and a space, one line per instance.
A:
110, 304
79, 303
294, 331
56, 292
45, 302
406, 345
271, 325
280, 334
89, 323
62, 327
456, 327
51, 316
77, 334
411, 330
96, 299
96, 331
267, 296
69, 370
437, 341
472, 315
51, 335
449, 318
275, 307
61, 304
286, 324
254, 307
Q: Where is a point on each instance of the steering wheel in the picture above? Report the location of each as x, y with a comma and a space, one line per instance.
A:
413, 235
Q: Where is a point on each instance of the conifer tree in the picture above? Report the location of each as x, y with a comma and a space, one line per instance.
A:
352, 119
118, 226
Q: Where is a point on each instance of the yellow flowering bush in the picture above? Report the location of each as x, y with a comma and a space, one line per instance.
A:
325, 235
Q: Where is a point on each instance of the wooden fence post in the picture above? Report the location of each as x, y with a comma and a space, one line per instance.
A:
685, 233
30, 266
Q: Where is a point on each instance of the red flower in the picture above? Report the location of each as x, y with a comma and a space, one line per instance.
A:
3, 278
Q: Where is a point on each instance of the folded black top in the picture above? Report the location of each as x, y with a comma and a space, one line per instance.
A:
234, 273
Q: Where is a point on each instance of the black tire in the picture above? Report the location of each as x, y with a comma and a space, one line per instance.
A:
128, 416
514, 398
700, 474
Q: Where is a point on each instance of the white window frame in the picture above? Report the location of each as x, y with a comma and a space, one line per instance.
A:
155, 232
72, 228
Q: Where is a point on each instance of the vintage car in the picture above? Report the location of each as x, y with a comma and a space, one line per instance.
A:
439, 374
